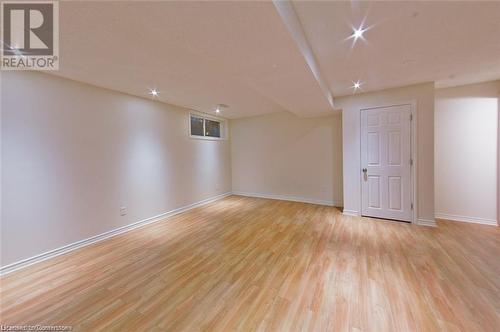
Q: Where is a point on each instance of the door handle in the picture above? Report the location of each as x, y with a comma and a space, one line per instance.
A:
365, 174
365, 170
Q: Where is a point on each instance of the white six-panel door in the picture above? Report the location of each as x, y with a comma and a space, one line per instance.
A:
386, 162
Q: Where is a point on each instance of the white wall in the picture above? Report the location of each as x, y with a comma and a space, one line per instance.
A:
72, 154
466, 152
282, 155
423, 95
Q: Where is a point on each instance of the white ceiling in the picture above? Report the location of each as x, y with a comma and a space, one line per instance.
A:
200, 54
451, 43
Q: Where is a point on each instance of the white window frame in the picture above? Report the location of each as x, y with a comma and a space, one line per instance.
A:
223, 126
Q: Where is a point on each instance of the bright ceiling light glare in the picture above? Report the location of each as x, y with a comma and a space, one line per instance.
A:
356, 86
217, 110
154, 92
358, 33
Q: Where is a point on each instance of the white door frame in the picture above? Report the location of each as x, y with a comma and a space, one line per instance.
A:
413, 153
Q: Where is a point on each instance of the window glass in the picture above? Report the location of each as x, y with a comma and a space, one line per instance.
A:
212, 128
196, 126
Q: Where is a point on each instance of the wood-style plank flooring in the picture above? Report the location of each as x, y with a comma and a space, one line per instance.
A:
255, 264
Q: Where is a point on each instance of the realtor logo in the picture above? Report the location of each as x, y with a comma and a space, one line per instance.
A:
30, 35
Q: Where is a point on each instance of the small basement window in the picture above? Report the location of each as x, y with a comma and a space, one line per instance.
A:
197, 126
201, 126
212, 128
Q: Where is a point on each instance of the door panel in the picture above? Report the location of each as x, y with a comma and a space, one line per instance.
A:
373, 148
385, 155
394, 148
373, 120
374, 191
395, 199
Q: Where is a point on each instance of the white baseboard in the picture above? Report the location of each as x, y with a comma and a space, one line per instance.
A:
474, 220
426, 222
79, 244
351, 213
287, 198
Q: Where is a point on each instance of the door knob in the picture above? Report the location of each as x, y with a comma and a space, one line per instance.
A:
365, 170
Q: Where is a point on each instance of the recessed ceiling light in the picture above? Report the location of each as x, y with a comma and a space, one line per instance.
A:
356, 85
154, 92
220, 107
358, 33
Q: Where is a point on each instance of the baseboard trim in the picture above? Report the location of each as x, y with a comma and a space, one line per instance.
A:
351, 213
473, 220
426, 222
97, 238
288, 198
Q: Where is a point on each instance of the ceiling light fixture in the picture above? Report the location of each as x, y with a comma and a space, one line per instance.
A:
356, 85
358, 33
154, 92
220, 107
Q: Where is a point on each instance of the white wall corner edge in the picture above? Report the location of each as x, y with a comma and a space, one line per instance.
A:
289, 198
474, 220
106, 235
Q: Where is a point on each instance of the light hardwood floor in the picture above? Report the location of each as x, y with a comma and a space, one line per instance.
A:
256, 264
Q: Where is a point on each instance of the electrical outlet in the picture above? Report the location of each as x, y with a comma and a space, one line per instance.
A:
123, 211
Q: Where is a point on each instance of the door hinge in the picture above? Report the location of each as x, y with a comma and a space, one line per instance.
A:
412, 206
411, 117
411, 161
